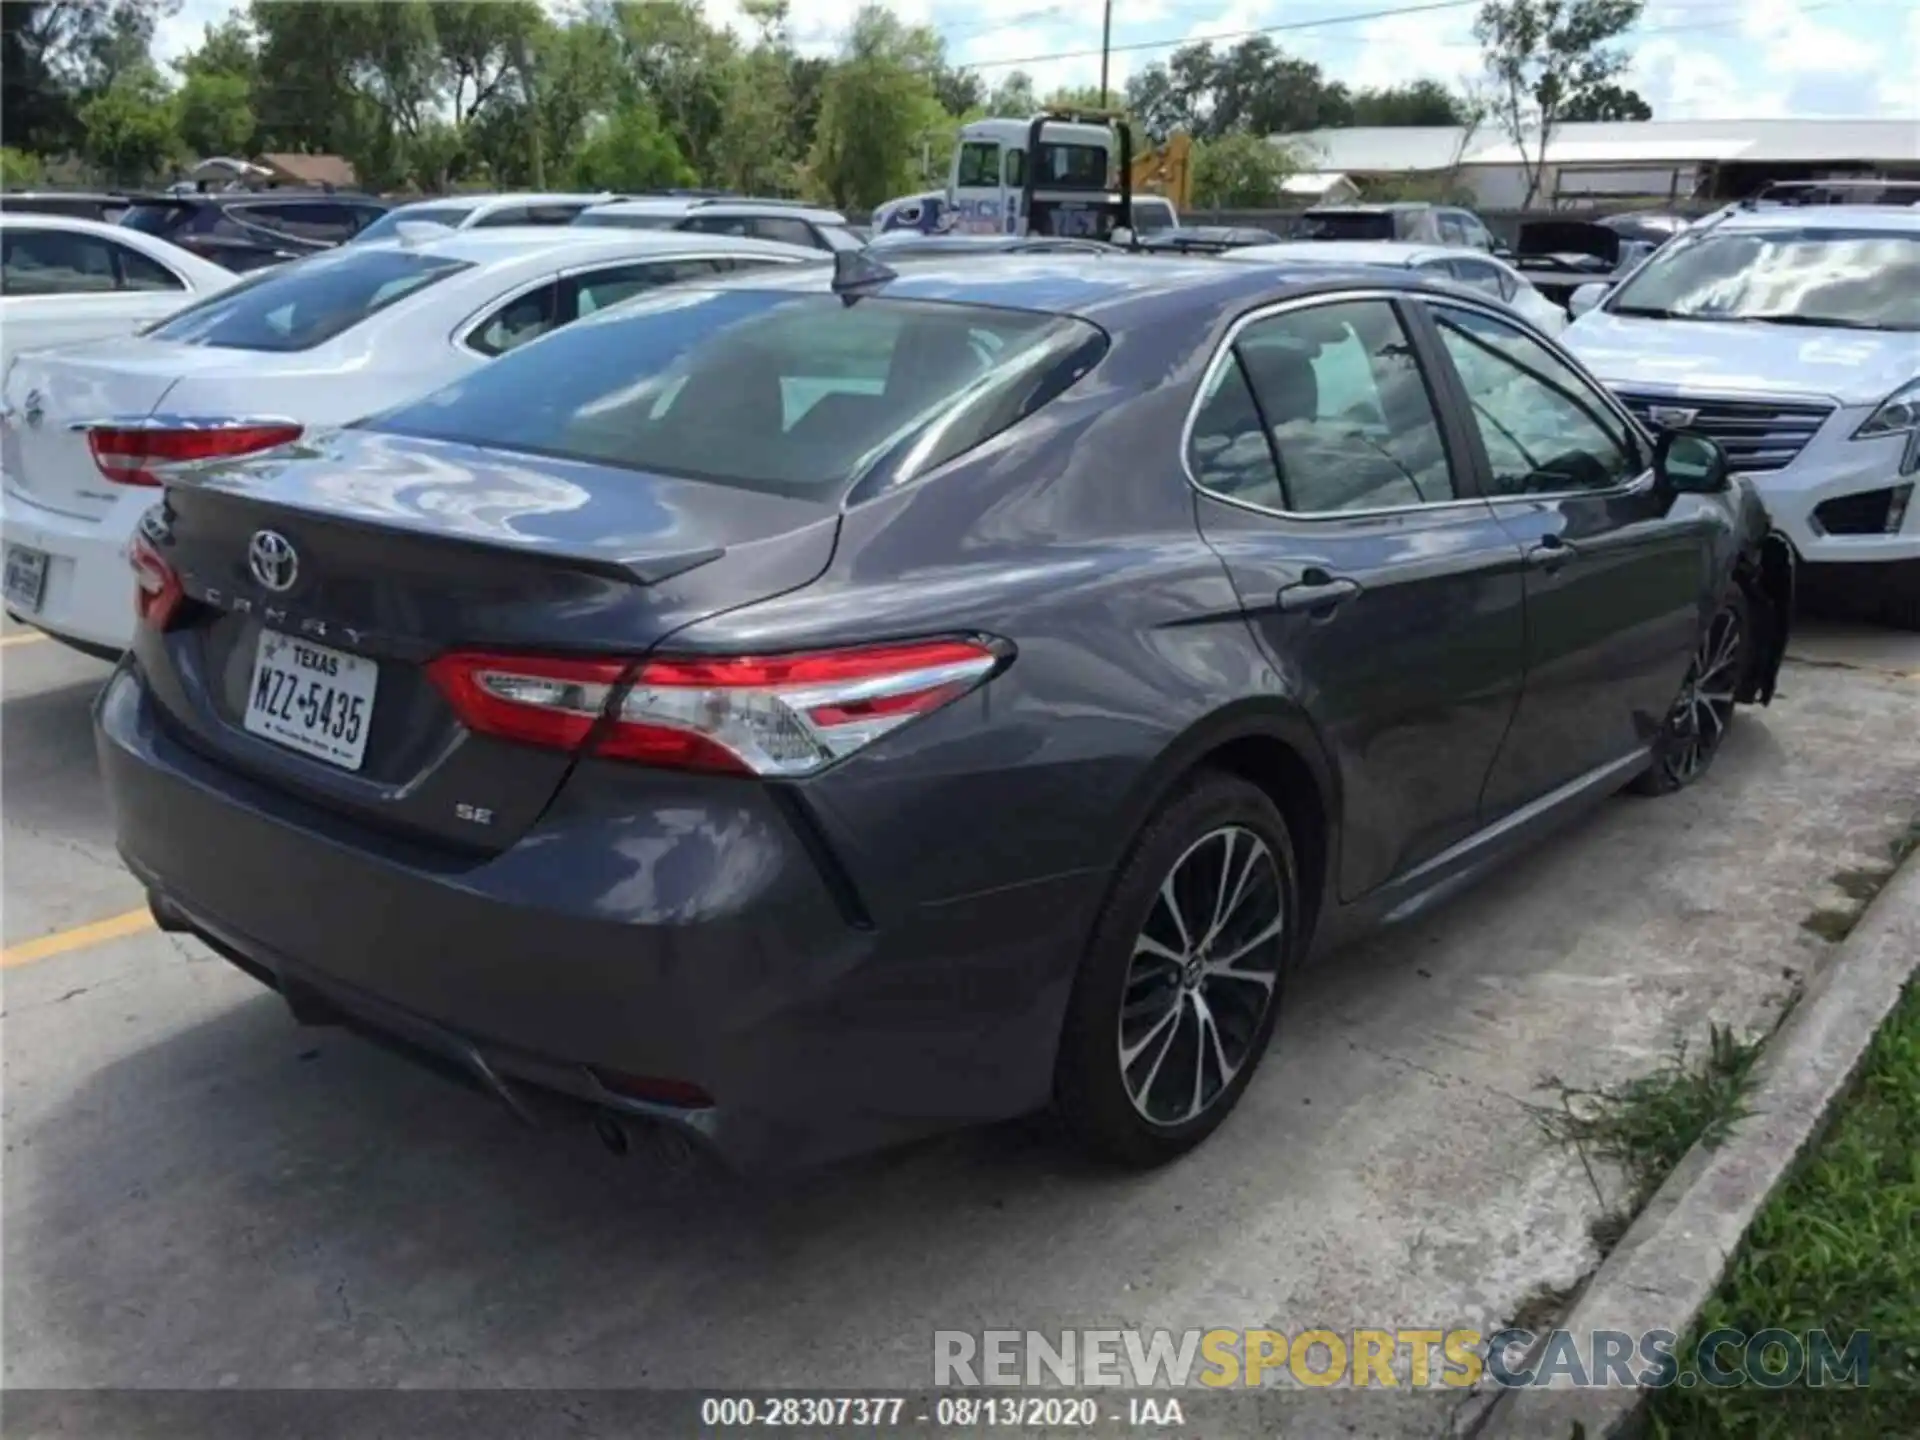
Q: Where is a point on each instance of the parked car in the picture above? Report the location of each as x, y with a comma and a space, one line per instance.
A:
787, 221
65, 280
104, 205
1792, 334
253, 229
1468, 267
819, 707
891, 244
1559, 255
1206, 239
264, 362
1414, 221
469, 212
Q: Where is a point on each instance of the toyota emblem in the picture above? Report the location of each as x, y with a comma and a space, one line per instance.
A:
1671, 417
34, 408
273, 560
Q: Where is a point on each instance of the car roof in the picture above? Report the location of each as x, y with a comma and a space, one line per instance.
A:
505, 243
43, 220
1378, 207
247, 197
1107, 289
818, 214
1898, 219
494, 200
1345, 252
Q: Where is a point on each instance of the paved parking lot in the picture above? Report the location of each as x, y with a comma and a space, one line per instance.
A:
199, 1193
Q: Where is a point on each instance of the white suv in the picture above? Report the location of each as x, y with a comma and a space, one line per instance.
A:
1790, 334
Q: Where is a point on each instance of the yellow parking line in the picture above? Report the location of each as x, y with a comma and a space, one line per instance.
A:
78, 938
31, 637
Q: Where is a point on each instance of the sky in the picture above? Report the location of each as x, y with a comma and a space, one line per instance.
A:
1694, 59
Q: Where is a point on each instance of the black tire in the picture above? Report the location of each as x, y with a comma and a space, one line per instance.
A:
1215, 817
1703, 711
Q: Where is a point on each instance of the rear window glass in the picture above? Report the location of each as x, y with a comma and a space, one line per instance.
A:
388, 225
306, 304
155, 219
798, 395
1347, 225
627, 219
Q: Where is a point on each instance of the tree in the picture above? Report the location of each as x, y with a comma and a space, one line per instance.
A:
959, 92
1014, 98
877, 111
1239, 171
213, 114
1545, 57
1155, 104
1608, 102
19, 170
630, 150
127, 130
57, 55
229, 48
1424, 102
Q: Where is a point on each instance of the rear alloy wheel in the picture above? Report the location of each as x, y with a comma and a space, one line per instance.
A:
1179, 992
1703, 713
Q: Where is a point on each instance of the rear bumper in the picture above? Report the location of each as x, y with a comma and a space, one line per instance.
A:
700, 946
88, 600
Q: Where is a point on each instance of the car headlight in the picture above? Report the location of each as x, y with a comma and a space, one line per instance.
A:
1898, 414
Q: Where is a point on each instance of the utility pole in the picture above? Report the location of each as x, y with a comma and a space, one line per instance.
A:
1106, 44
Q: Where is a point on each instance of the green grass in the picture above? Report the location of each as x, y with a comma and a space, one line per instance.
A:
1837, 1248
1646, 1125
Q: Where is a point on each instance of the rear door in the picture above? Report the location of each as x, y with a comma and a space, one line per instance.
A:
1341, 500
1614, 574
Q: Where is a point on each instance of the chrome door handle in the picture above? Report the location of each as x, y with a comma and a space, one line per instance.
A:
1317, 592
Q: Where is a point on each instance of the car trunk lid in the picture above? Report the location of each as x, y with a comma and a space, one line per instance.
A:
389, 552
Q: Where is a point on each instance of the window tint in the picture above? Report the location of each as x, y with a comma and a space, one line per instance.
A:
609, 287
979, 163
1346, 408
388, 225
55, 262
1451, 231
523, 318
1071, 167
765, 390
1016, 168
785, 230
1481, 275
138, 272
307, 304
156, 219
307, 219
505, 215
1346, 225
1228, 451
1545, 429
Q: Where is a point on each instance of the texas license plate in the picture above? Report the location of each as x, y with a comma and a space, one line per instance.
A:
313, 699
26, 577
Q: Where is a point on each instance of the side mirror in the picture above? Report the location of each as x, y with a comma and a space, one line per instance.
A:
1585, 297
1686, 462
1502, 249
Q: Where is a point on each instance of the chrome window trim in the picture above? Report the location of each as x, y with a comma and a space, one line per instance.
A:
461, 336
1224, 351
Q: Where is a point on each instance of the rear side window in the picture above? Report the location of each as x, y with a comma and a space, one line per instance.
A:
156, 219
797, 395
1347, 225
306, 304
323, 220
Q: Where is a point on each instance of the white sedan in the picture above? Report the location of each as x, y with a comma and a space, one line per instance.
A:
88, 433
1474, 268
64, 279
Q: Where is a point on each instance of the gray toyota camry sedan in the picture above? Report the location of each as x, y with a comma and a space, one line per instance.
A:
805, 710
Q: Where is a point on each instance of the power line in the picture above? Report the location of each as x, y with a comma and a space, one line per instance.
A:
1228, 35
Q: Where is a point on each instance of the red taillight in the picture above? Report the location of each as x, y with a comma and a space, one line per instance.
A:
157, 595
132, 454
758, 715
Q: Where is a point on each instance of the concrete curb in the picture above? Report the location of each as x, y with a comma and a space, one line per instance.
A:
1671, 1260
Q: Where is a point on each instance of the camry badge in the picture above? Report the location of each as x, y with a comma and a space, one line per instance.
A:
273, 561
